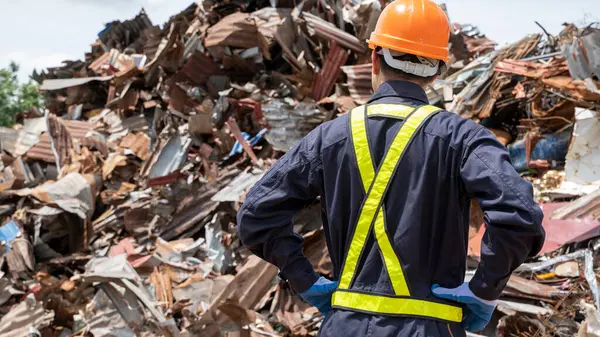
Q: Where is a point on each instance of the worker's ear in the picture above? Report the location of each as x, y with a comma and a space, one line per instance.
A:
375, 62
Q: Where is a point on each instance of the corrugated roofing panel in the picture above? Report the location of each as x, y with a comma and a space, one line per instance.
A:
328, 31
359, 82
171, 157
235, 30
16, 142
325, 79
78, 129
198, 68
122, 34
57, 84
42, 149
99, 62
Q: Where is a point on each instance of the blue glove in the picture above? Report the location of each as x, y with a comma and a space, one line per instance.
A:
319, 294
477, 313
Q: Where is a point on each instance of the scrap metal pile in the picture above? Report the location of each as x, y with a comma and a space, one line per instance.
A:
540, 97
119, 200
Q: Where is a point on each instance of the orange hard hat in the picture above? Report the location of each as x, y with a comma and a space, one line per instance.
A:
418, 27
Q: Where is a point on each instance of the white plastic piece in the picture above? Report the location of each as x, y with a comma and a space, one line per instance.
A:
418, 69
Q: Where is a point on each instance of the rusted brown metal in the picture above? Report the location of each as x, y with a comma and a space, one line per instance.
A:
529, 287
76, 131
235, 130
326, 78
290, 57
235, 30
329, 32
533, 69
138, 143
197, 69
359, 82
586, 206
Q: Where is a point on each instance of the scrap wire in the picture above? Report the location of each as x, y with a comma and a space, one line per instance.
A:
585, 104
570, 123
590, 275
311, 322
546, 321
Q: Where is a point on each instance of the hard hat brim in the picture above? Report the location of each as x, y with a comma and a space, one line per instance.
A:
405, 46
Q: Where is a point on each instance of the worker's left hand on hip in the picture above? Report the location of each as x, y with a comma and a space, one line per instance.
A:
319, 294
477, 311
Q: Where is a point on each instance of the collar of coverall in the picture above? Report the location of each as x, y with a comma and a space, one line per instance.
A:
390, 91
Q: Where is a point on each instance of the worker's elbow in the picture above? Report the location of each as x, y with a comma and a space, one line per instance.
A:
538, 233
537, 216
247, 232
242, 225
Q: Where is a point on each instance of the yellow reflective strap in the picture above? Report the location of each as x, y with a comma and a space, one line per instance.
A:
396, 306
392, 157
358, 125
376, 185
367, 172
392, 263
365, 168
359, 135
371, 205
390, 110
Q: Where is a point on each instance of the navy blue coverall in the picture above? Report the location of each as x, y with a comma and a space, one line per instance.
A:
449, 161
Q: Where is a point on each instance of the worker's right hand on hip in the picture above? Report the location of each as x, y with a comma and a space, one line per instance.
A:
319, 294
477, 312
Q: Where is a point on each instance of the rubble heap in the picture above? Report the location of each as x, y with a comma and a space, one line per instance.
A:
119, 200
540, 97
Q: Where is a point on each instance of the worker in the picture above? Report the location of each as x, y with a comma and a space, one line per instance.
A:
395, 178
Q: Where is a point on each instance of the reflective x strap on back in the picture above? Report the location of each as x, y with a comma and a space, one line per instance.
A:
367, 173
376, 184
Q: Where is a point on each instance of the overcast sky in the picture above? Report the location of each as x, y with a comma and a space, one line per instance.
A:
42, 33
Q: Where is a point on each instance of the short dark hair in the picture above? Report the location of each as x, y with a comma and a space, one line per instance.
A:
387, 69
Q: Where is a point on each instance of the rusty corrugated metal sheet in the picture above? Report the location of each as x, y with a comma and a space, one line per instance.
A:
78, 130
586, 207
234, 30
330, 32
16, 142
64, 83
197, 69
98, 63
533, 288
42, 150
192, 212
138, 143
152, 36
325, 79
120, 128
275, 21
127, 31
359, 82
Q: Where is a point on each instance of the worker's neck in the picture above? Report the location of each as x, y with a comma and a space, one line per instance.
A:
382, 79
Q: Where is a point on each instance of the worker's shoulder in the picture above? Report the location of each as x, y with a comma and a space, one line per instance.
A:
332, 132
451, 127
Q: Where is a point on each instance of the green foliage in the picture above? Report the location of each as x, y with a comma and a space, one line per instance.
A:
16, 97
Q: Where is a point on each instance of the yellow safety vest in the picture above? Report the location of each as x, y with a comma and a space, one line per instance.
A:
376, 183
